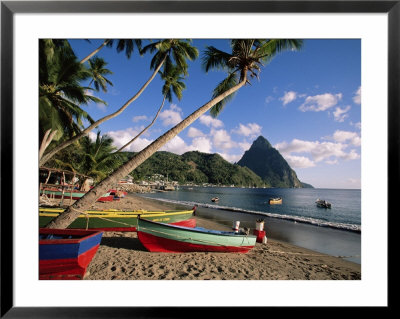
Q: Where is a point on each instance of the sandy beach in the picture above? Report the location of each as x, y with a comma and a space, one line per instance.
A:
122, 257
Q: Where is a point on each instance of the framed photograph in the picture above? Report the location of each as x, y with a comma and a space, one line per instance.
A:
371, 28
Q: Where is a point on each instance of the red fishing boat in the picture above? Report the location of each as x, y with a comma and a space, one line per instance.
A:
160, 237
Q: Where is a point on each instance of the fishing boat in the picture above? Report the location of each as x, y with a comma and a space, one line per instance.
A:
64, 254
274, 201
323, 203
117, 193
116, 220
215, 199
75, 194
158, 237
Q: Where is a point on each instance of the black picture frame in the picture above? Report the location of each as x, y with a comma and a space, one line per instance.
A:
9, 8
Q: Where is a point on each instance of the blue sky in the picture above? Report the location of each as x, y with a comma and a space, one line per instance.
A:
306, 104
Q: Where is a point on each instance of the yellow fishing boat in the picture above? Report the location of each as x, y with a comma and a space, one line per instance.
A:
274, 201
117, 220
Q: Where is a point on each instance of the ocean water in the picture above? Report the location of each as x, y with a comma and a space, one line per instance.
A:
298, 203
298, 220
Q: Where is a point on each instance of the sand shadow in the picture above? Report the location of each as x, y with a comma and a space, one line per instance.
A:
123, 242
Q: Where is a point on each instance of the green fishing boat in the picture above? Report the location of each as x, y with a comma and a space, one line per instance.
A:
159, 237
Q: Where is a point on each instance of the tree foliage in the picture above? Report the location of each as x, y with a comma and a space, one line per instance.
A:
94, 158
196, 167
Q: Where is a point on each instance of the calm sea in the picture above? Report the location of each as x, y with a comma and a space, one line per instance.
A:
298, 220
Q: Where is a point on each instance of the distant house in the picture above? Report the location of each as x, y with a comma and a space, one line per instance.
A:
127, 180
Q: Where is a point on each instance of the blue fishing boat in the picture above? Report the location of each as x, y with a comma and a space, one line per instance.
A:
64, 254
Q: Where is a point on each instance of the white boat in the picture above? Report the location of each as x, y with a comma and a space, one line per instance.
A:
323, 203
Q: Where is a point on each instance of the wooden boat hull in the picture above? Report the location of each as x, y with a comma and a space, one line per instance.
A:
65, 254
157, 237
58, 194
108, 197
274, 201
117, 220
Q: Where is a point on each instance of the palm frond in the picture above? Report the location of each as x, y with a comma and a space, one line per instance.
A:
230, 81
215, 59
269, 48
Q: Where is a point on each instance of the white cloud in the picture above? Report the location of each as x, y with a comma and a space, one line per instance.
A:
122, 137
299, 161
178, 146
139, 118
319, 151
202, 144
357, 97
92, 135
172, 116
232, 158
209, 121
341, 114
357, 125
288, 97
351, 156
222, 140
249, 130
244, 145
344, 136
194, 132
320, 102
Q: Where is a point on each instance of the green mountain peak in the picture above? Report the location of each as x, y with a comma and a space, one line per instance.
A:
261, 142
269, 164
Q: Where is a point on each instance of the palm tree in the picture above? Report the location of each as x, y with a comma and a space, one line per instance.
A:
99, 157
167, 51
171, 51
173, 85
96, 159
126, 45
97, 72
60, 92
245, 60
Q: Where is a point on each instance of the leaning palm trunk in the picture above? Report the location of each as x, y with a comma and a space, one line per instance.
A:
95, 51
48, 137
63, 145
145, 129
72, 212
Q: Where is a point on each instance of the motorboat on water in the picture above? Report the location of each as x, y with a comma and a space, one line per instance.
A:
323, 203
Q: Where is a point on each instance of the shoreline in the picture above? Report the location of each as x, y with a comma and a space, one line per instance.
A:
264, 215
328, 240
122, 257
